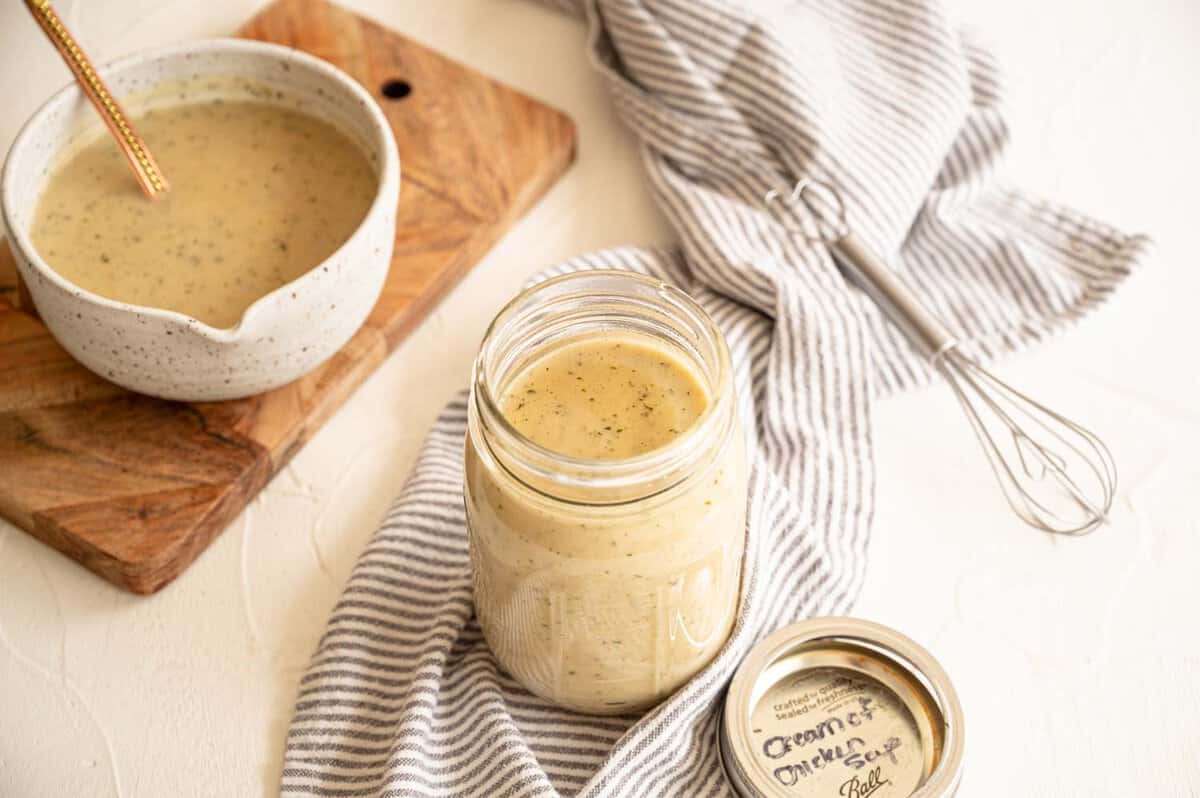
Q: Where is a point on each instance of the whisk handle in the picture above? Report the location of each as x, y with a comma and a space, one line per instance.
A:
874, 276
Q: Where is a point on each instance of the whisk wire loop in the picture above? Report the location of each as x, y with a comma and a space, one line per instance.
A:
1072, 489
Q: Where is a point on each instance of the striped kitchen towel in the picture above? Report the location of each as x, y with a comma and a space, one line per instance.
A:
891, 103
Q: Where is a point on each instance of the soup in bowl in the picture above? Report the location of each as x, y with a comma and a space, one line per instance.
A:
264, 258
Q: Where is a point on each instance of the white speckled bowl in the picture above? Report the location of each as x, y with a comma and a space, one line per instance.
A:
285, 333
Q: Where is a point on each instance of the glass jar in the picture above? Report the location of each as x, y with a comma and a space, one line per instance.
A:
604, 585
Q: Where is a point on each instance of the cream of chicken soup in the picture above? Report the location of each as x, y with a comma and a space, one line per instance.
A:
607, 594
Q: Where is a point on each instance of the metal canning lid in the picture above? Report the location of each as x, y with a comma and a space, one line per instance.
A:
843, 708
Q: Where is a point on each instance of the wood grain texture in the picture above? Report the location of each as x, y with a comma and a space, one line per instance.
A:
135, 488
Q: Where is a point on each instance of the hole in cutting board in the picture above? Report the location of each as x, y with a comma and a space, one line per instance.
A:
396, 89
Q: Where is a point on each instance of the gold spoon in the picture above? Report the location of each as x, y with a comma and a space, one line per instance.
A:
145, 169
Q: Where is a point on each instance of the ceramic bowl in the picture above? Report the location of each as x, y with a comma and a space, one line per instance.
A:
284, 334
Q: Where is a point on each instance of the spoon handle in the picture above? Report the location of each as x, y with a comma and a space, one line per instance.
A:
145, 169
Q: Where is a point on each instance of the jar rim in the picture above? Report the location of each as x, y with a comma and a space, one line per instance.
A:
555, 468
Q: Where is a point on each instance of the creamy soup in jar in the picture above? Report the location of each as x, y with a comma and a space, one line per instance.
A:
608, 607
260, 194
605, 397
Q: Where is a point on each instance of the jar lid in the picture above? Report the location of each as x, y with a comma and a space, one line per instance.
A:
845, 708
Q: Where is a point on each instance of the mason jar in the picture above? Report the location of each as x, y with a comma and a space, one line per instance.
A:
605, 584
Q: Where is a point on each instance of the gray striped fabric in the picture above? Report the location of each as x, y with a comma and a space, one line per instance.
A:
891, 103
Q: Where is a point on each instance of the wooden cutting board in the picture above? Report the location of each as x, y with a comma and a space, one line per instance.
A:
135, 488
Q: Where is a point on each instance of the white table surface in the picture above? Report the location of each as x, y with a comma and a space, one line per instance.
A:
1077, 661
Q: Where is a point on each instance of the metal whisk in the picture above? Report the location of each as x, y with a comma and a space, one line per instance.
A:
1056, 475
